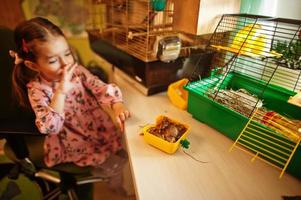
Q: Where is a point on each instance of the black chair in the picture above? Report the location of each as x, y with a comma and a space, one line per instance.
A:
23, 140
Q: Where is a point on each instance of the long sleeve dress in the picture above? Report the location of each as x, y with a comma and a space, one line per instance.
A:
84, 134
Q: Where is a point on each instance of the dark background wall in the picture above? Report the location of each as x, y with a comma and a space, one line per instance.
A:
10, 13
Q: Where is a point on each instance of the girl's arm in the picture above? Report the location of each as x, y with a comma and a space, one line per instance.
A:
104, 93
50, 112
48, 121
108, 96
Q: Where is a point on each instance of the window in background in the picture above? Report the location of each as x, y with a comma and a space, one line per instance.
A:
275, 8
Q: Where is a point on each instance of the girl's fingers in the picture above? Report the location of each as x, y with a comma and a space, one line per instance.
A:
72, 67
127, 114
121, 119
122, 116
69, 68
120, 123
68, 71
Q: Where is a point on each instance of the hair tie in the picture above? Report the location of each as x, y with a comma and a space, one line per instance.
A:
15, 55
24, 46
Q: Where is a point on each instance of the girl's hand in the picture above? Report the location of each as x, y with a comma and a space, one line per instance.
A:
120, 114
65, 84
62, 88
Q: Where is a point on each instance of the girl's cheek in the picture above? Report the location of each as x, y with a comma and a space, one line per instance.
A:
71, 60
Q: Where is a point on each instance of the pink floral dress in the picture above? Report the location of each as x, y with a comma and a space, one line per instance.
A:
84, 134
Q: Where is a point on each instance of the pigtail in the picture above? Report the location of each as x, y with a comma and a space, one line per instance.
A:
20, 77
21, 74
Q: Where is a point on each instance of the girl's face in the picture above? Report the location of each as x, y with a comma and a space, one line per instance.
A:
52, 57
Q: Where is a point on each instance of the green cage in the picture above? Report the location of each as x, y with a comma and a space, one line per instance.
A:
256, 65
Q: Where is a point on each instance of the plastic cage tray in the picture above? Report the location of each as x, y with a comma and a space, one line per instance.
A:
230, 122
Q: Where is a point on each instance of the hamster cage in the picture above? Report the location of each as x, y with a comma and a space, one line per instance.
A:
136, 26
255, 70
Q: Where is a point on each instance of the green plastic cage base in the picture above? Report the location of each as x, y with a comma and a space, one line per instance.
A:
230, 122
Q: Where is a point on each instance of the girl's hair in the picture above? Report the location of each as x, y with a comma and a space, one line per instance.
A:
26, 35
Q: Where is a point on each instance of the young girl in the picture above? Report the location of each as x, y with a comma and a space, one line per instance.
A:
71, 105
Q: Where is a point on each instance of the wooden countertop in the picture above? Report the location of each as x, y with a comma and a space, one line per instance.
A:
227, 175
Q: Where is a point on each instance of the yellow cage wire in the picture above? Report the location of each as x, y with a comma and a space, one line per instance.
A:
270, 137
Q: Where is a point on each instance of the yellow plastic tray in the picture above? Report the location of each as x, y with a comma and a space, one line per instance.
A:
160, 143
177, 95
